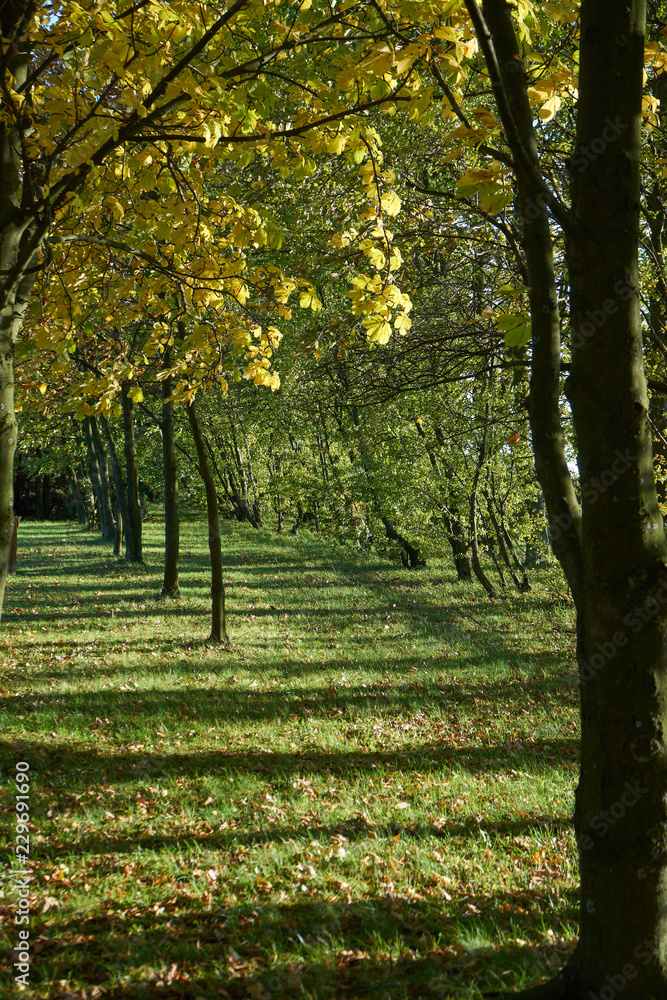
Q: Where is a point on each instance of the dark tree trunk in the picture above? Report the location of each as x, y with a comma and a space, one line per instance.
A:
118, 534
615, 554
410, 554
218, 629
46, 495
457, 540
15, 282
134, 547
453, 525
77, 496
13, 551
39, 498
123, 526
19, 488
93, 506
623, 706
170, 587
474, 538
100, 476
505, 546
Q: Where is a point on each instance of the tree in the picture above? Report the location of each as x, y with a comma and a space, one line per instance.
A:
94, 96
218, 617
613, 549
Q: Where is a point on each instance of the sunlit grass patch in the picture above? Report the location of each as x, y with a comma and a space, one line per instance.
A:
368, 796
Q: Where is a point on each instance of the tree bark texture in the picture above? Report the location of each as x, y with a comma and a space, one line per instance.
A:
614, 554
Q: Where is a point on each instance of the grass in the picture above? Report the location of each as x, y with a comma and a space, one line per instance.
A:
369, 796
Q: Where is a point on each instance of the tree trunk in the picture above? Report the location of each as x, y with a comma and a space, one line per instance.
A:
623, 706
453, 525
170, 586
218, 630
118, 534
474, 540
15, 284
77, 496
134, 548
457, 540
93, 508
99, 476
13, 549
106, 513
614, 555
39, 497
409, 553
506, 546
123, 526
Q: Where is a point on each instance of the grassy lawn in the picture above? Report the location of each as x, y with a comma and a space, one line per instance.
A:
369, 796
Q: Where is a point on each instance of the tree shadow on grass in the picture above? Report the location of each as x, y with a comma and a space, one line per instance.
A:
215, 705
186, 946
82, 763
356, 829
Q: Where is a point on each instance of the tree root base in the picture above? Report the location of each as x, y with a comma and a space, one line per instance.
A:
566, 986
221, 643
174, 594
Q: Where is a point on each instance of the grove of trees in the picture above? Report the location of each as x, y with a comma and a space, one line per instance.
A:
389, 271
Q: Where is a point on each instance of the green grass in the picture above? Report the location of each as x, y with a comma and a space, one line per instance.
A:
369, 796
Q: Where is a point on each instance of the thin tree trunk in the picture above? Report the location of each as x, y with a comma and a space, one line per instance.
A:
453, 525
123, 525
77, 496
474, 541
170, 587
107, 514
409, 553
524, 586
39, 497
134, 532
93, 507
500, 535
99, 476
118, 534
218, 623
46, 494
274, 464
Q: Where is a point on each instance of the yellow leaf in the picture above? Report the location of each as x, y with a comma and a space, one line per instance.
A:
309, 300
391, 203
549, 108
379, 330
